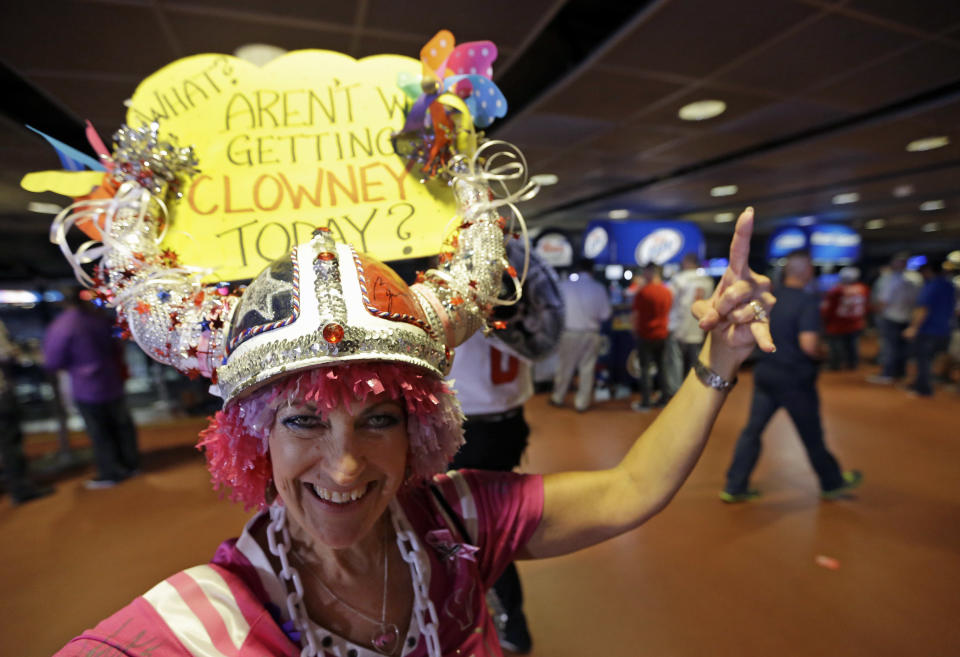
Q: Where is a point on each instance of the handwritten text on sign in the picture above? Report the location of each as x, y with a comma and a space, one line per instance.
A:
300, 143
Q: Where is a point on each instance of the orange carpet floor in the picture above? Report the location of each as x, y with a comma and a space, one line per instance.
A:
701, 579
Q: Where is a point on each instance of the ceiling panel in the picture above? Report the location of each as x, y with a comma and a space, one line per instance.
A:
632, 139
925, 67
377, 44
606, 95
202, 34
505, 22
815, 53
543, 129
739, 105
792, 72
694, 38
343, 13
929, 15
69, 36
100, 101
786, 118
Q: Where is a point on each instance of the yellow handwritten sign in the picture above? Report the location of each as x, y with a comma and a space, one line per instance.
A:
300, 143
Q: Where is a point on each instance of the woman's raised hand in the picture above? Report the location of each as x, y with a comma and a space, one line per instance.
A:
738, 313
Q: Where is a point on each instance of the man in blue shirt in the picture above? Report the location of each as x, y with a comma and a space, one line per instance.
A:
929, 327
788, 378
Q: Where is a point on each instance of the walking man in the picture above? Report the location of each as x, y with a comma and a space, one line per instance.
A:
788, 378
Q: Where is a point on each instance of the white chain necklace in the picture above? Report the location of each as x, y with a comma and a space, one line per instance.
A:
386, 638
278, 540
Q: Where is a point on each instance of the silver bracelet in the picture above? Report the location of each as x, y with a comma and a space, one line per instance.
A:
711, 379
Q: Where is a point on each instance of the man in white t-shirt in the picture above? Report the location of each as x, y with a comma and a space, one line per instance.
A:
686, 336
587, 306
493, 383
895, 294
493, 377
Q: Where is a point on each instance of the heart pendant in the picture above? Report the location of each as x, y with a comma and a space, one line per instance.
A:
387, 639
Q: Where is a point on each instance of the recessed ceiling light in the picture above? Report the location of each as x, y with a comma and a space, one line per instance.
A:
928, 206
724, 190
44, 208
724, 217
931, 227
806, 221
545, 179
618, 214
902, 191
875, 224
928, 143
258, 54
702, 110
848, 197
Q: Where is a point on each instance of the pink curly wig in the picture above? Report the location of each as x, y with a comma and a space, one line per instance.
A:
236, 445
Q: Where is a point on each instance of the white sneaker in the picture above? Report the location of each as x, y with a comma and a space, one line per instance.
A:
100, 484
879, 379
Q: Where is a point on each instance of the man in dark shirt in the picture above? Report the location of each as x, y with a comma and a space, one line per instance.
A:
81, 342
788, 378
930, 324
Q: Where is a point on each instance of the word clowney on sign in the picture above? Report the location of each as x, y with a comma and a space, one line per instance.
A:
301, 143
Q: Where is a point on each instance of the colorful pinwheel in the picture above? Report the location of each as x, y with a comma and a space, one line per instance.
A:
463, 71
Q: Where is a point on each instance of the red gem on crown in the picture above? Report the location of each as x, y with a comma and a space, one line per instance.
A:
333, 333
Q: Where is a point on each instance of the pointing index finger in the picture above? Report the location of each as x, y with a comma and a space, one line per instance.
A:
740, 244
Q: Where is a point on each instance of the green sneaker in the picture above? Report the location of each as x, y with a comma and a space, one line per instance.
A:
735, 498
851, 479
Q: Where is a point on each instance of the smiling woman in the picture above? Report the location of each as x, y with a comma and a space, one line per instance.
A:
337, 422
360, 547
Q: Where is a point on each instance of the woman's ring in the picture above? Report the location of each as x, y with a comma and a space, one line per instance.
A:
759, 314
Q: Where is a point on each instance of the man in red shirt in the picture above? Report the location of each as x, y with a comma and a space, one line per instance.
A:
844, 313
651, 310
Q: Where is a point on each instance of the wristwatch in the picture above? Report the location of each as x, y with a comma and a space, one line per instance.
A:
711, 379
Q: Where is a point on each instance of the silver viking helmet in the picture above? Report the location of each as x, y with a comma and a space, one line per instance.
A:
323, 304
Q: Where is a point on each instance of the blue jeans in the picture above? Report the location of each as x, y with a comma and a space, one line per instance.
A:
894, 348
653, 352
844, 353
800, 398
925, 349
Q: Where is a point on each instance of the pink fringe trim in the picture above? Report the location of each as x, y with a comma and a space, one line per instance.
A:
235, 443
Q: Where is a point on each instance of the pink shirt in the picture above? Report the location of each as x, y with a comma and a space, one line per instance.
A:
235, 605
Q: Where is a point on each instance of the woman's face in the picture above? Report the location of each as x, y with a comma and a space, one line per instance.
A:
337, 475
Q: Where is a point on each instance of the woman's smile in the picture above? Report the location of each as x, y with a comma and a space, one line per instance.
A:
339, 497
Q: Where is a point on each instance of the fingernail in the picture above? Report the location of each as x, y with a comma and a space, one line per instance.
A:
749, 208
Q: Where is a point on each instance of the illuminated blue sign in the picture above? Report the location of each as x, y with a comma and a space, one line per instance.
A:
827, 243
635, 243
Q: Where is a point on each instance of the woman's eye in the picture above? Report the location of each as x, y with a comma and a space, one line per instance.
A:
303, 421
382, 420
